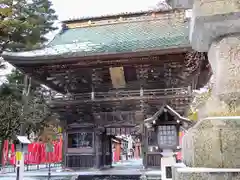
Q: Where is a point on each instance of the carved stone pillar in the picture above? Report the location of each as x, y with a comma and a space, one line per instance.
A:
212, 19
213, 143
224, 57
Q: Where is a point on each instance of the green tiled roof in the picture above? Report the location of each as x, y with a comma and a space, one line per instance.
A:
114, 38
126, 37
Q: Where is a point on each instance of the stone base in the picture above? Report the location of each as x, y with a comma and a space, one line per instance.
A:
213, 143
167, 162
187, 173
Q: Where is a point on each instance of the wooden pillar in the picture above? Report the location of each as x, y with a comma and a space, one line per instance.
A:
110, 151
63, 125
98, 149
103, 150
64, 148
144, 145
106, 150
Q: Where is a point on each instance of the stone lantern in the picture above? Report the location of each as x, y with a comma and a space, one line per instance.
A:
166, 123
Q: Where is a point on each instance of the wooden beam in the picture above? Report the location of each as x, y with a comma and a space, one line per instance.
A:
150, 70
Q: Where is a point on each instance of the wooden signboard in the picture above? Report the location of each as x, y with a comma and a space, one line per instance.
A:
117, 77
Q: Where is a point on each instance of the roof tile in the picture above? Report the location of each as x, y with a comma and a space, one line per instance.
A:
130, 36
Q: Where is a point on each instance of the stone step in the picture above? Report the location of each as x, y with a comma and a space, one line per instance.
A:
154, 178
109, 177
151, 177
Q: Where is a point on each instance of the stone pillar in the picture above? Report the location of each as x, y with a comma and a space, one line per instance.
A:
211, 149
214, 142
224, 57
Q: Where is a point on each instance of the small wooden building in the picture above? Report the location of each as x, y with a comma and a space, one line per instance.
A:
158, 139
112, 72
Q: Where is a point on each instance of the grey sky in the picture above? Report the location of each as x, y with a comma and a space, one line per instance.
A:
82, 8
74, 9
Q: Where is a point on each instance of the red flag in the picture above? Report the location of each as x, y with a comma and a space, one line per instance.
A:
57, 151
5, 153
38, 153
12, 158
60, 149
43, 154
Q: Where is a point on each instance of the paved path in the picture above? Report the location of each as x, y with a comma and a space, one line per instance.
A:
131, 167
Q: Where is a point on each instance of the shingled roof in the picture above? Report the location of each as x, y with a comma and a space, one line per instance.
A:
115, 35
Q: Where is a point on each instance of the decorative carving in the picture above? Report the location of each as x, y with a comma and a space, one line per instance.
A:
142, 74
97, 77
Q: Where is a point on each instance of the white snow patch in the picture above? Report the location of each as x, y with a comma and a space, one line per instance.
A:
211, 170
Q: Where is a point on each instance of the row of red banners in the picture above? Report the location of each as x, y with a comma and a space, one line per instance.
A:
36, 153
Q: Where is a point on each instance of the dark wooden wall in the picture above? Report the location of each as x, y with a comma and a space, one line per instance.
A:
151, 159
99, 155
79, 157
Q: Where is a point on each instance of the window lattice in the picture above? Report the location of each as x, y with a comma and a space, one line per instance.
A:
167, 136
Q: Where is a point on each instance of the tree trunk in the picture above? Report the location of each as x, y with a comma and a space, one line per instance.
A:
25, 93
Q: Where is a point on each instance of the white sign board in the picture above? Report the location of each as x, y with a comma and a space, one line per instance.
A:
23, 139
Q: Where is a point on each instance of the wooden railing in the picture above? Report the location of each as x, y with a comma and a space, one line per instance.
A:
125, 95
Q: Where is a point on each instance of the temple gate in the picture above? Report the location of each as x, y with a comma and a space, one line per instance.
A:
108, 74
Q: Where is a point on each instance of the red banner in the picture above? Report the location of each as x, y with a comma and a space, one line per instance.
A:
37, 154
5, 153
